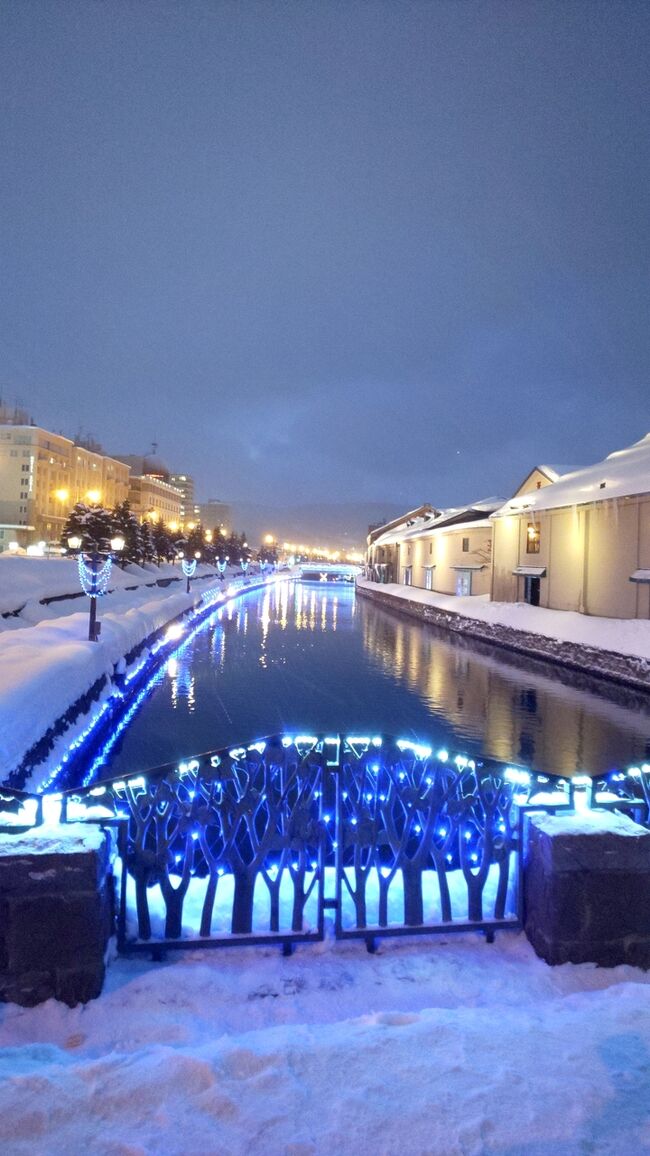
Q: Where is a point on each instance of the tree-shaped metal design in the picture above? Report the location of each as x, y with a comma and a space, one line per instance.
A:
250, 813
404, 812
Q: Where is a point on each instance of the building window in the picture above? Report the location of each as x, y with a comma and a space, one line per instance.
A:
408, 575
463, 582
465, 546
532, 538
428, 578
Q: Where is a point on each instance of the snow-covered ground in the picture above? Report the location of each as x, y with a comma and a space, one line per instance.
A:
443, 1046
620, 635
24, 581
46, 660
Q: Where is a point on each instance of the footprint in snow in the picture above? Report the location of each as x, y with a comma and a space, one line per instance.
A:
396, 1019
264, 991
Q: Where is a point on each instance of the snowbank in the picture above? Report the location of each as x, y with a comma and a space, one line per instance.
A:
26, 581
47, 667
629, 636
445, 1046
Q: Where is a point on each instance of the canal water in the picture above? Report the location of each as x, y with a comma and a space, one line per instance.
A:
314, 659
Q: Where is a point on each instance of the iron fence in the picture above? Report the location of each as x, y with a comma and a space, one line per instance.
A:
254, 844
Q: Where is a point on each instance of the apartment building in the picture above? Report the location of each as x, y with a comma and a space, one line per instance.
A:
43, 475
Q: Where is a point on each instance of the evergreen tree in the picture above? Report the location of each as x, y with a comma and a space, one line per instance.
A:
147, 552
163, 544
195, 542
94, 525
127, 526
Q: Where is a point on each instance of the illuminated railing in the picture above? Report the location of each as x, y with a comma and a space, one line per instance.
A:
104, 721
258, 843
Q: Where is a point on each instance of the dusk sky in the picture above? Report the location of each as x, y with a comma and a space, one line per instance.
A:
329, 251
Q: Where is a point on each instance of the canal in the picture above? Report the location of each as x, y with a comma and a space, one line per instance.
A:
314, 658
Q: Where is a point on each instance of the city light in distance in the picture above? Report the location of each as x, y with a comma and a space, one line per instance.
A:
322, 553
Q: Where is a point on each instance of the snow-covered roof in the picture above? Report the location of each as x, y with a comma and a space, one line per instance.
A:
458, 517
393, 531
557, 472
621, 474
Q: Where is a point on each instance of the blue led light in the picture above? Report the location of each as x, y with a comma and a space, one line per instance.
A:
200, 617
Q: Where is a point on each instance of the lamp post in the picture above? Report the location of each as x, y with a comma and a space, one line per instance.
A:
189, 567
94, 573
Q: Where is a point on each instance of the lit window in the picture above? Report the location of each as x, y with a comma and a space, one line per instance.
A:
532, 538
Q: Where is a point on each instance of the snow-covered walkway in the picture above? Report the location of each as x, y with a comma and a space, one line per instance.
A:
442, 1046
630, 636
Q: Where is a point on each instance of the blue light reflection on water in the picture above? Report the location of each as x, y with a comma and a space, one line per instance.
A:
314, 657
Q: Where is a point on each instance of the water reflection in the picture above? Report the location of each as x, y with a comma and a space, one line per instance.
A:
517, 710
312, 658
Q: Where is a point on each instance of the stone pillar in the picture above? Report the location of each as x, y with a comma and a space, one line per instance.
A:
56, 913
587, 889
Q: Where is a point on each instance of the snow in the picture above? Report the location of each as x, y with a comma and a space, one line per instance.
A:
429, 525
620, 636
47, 666
222, 915
624, 473
446, 1046
24, 581
590, 823
54, 839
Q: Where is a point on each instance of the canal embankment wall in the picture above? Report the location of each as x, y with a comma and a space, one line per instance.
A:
618, 650
55, 686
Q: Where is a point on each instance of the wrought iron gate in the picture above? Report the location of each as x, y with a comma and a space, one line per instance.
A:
260, 843
255, 844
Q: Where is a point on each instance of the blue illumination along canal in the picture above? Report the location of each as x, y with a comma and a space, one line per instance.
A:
313, 658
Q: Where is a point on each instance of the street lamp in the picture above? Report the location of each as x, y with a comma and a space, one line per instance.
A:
94, 577
189, 567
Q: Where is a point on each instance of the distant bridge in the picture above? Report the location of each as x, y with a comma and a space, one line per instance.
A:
327, 572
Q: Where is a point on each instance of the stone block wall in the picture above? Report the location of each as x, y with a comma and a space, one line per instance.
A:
587, 889
57, 911
589, 660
